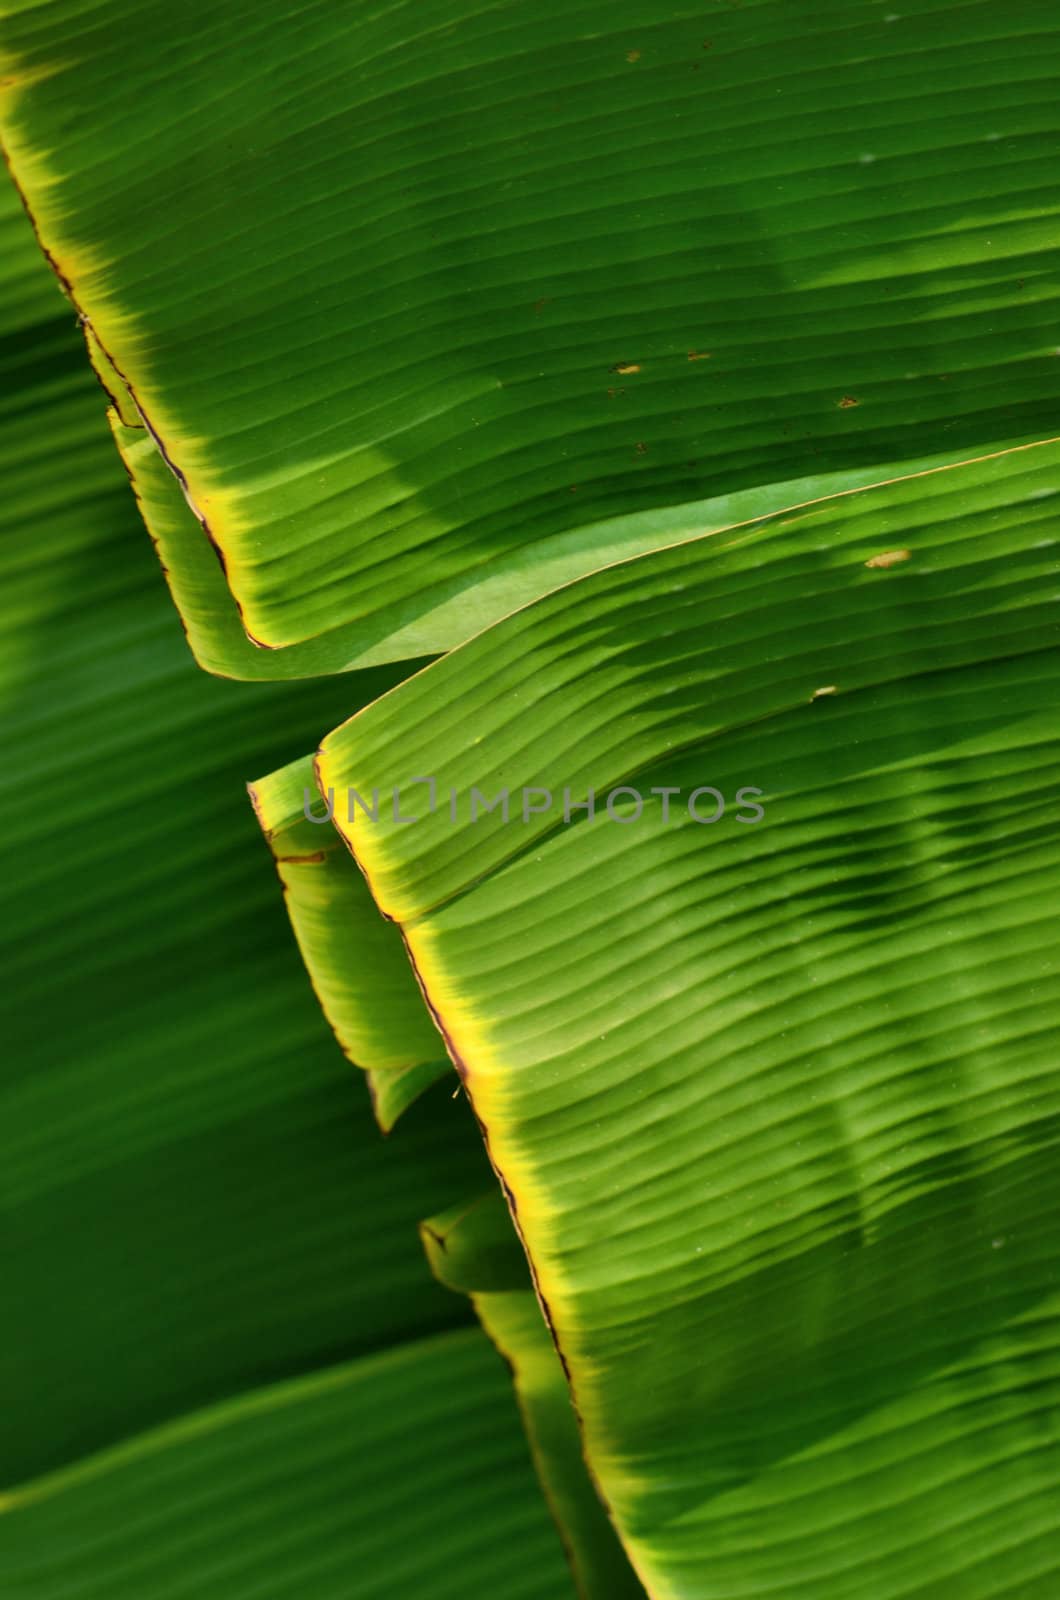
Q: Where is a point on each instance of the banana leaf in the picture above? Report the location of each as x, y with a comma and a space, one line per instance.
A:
473, 1249
754, 994
356, 960
431, 308
396, 1474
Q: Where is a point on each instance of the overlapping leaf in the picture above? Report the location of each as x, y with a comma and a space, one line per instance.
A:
473, 1249
427, 312
356, 960
773, 1099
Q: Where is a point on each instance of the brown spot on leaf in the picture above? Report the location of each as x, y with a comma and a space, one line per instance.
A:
632, 55
624, 367
888, 558
699, 355
848, 401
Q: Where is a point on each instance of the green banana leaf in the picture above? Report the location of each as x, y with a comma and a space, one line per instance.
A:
395, 1474
226, 1370
473, 1249
356, 960
732, 334
432, 308
765, 1064
196, 576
